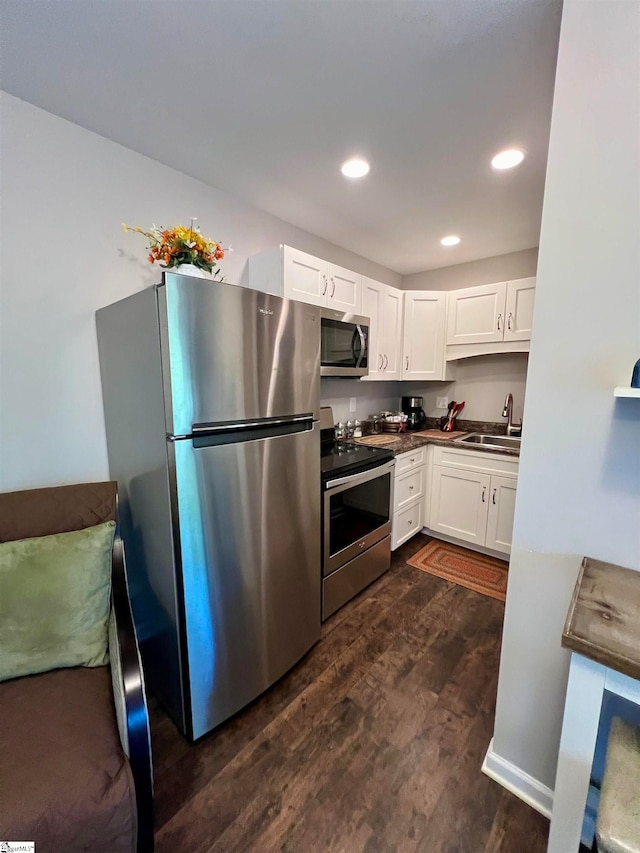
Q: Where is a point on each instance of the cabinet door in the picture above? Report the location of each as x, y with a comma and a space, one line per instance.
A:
423, 334
476, 314
391, 348
519, 309
373, 307
502, 504
305, 277
460, 503
344, 289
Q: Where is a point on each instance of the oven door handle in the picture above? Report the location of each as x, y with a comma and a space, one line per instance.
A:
362, 476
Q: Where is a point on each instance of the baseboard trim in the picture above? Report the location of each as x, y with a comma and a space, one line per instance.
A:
511, 777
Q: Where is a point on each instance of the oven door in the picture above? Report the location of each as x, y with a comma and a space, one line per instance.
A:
357, 514
343, 344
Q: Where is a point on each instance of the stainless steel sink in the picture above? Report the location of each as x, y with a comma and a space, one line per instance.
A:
495, 442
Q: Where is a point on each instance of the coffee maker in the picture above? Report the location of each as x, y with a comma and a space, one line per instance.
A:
412, 407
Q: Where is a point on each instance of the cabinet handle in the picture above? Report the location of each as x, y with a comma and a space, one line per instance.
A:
333, 287
412, 460
410, 521
494, 497
324, 278
381, 358
386, 362
484, 492
407, 362
499, 322
410, 488
509, 321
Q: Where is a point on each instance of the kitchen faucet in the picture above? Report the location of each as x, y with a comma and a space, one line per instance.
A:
507, 412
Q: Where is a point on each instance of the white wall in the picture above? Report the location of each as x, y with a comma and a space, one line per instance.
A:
483, 383
486, 271
579, 484
64, 193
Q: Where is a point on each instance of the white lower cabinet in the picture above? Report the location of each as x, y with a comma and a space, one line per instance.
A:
459, 503
502, 506
472, 498
408, 496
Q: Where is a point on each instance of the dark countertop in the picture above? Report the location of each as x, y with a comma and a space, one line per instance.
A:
406, 441
602, 622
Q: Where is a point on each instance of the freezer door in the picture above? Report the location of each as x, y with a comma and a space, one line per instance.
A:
249, 529
234, 354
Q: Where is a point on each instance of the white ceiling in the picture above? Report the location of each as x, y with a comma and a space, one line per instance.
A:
266, 98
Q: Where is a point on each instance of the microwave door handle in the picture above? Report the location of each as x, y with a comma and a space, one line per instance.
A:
359, 356
355, 350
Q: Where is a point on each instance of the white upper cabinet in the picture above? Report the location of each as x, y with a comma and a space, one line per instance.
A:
383, 305
425, 313
476, 314
289, 272
519, 309
392, 325
491, 313
343, 289
304, 277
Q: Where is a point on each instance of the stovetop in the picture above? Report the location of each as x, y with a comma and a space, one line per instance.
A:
340, 458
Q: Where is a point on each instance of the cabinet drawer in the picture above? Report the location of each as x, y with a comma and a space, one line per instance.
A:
410, 459
408, 487
476, 460
406, 523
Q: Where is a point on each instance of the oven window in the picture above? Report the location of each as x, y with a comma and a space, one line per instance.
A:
358, 511
341, 344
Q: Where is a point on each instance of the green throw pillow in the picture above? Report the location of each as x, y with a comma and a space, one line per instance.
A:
54, 601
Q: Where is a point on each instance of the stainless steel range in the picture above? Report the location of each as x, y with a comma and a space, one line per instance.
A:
357, 488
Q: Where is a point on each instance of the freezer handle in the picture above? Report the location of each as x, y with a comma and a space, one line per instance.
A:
206, 434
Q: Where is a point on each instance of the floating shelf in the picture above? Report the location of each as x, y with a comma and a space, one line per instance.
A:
626, 391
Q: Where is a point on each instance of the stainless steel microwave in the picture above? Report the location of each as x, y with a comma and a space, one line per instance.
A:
344, 348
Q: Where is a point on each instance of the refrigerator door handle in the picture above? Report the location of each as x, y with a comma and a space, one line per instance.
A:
219, 428
207, 435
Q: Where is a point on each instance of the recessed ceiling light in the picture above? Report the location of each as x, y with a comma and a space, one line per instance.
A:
451, 240
508, 158
355, 168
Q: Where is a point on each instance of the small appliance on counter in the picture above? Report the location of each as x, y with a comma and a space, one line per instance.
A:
412, 408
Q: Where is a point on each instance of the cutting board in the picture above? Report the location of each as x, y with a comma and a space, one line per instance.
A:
389, 438
437, 433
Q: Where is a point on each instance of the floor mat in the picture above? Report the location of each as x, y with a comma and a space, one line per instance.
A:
478, 572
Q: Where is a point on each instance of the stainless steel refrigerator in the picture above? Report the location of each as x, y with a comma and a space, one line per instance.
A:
211, 399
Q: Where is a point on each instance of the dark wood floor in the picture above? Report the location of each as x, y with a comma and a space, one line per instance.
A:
373, 742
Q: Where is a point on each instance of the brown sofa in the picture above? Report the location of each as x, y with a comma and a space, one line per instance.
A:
75, 755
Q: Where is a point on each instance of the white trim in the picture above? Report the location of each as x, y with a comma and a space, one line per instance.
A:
511, 777
455, 352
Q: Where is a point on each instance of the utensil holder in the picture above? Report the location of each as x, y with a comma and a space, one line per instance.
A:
447, 425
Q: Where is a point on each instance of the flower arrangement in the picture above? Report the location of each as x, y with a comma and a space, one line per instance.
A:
180, 245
